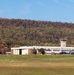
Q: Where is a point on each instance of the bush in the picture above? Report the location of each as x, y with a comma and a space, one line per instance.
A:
41, 51
34, 51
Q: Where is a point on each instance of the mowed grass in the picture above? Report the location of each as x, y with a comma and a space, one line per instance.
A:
37, 65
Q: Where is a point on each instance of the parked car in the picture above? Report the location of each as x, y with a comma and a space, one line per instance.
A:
63, 53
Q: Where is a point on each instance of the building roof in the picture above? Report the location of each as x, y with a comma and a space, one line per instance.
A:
45, 47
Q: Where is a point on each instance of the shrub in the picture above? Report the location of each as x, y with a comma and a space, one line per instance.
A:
41, 51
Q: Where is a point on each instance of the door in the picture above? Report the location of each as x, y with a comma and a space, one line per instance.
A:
20, 51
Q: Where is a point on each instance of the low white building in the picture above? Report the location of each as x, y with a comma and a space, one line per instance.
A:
54, 50
23, 50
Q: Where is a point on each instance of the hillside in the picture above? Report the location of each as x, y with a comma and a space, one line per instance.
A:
18, 32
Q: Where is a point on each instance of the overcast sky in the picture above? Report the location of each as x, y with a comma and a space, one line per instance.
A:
47, 10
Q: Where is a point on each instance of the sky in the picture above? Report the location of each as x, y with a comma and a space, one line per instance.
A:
44, 10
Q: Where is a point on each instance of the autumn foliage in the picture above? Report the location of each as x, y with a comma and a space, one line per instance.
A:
19, 32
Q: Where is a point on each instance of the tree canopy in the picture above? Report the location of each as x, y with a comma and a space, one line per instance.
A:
19, 32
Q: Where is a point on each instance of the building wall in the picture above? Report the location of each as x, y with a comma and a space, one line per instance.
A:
24, 51
15, 52
63, 43
48, 50
30, 51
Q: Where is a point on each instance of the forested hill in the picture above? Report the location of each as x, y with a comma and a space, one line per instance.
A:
18, 32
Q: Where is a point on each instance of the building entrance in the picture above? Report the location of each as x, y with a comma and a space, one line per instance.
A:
20, 51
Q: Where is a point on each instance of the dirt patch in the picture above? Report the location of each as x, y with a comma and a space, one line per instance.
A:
19, 64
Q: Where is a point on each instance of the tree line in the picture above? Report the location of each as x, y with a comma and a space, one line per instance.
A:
19, 32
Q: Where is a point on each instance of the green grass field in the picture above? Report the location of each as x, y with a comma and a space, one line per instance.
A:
37, 65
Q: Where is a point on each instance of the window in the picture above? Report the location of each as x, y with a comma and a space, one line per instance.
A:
56, 50
47, 50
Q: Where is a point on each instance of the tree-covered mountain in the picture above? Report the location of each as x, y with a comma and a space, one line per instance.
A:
19, 32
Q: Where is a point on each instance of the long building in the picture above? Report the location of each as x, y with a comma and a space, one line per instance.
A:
25, 50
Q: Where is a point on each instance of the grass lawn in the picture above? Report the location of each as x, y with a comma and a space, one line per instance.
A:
37, 65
